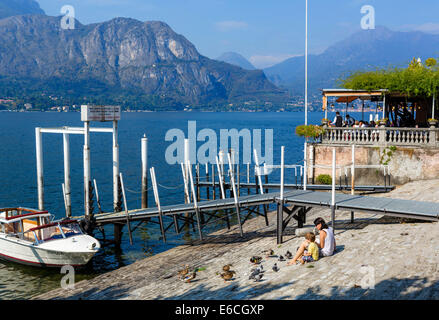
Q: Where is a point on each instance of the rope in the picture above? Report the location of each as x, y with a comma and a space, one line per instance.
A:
170, 188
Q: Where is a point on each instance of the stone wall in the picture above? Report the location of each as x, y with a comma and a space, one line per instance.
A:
406, 163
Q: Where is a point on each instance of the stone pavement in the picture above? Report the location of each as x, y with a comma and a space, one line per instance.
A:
377, 258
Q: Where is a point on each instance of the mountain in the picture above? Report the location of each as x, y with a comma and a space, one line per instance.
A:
364, 50
119, 61
236, 59
10, 8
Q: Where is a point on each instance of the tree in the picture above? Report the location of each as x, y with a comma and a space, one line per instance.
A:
415, 80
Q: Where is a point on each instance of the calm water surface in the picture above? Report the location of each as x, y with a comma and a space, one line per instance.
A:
19, 188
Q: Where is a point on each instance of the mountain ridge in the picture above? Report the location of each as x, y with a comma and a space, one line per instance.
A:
363, 50
123, 56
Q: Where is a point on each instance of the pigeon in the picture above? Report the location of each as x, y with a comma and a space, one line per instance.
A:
253, 274
258, 277
281, 258
289, 255
262, 268
275, 268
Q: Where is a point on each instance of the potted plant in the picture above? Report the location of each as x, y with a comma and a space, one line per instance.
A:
325, 122
382, 122
310, 131
432, 122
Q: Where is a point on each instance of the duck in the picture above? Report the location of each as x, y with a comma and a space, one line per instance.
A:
189, 277
255, 259
228, 275
227, 267
184, 271
281, 258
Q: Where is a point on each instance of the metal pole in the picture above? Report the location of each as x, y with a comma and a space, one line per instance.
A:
40, 172
281, 204
282, 172
126, 209
144, 144
115, 166
68, 198
97, 196
432, 113
238, 177
333, 188
305, 167
384, 107
232, 177
87, 168
306, 64
353, 171
207, 180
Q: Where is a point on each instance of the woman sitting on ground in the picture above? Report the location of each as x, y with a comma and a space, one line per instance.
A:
325, 241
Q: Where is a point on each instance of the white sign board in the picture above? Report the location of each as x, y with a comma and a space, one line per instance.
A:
100, 113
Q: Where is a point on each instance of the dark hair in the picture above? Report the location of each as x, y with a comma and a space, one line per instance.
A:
337, 113
320, 221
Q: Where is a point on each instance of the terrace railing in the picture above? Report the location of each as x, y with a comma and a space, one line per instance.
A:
382, 136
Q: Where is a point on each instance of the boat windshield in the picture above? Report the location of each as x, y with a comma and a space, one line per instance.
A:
64, 229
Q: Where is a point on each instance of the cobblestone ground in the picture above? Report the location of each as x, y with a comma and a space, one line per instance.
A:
377, 258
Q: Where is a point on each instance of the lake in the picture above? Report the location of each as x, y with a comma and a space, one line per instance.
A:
19, 187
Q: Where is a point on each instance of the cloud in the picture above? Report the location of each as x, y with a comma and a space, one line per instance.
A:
231, 25
265, 61
428, 27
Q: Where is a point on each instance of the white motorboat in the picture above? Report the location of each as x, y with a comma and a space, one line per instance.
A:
31, 237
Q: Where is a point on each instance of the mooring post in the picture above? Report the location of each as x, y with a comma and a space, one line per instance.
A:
213, 182
207, 180
258, 170
238, 177
197, 181
64, 196
157, 201
232, 177
126, 209
97, 196
40, 172
66, 146
280, 205
333, 188
194, 198
220, 177
248, 177
223, 194
118, 234
115, 166
144, 147
87, 168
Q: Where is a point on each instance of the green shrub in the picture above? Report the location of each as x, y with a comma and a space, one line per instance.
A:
309, 131
324, 179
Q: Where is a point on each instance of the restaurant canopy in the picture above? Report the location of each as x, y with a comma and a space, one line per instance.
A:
349, 95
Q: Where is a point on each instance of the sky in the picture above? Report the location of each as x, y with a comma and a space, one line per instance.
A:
264, 32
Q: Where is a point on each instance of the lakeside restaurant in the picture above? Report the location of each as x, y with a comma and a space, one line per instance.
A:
399, 119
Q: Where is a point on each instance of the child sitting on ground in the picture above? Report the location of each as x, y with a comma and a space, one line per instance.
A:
312, 252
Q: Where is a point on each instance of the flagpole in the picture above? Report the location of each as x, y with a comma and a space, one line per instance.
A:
306, 64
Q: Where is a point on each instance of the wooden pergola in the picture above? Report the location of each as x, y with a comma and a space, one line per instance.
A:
348, 95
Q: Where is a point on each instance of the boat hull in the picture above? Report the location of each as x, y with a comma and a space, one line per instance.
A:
16, 250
